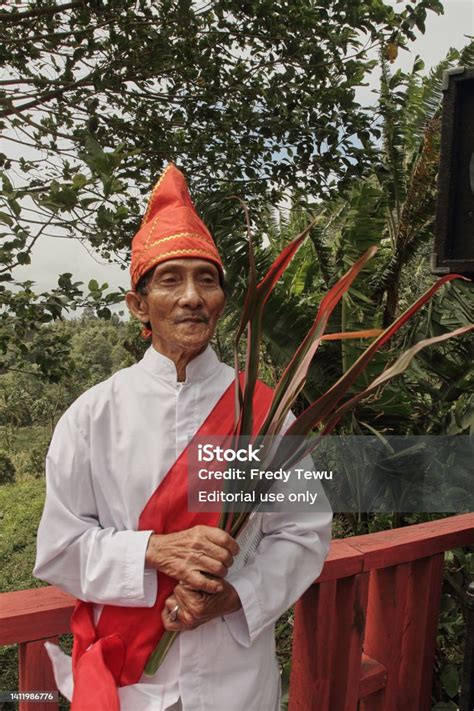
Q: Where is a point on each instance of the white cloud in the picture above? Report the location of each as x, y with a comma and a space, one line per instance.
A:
52, 256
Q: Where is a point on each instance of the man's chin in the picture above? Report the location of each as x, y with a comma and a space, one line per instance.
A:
194, 338
193, 329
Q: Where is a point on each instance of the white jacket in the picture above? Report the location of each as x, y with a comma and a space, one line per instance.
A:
108, 454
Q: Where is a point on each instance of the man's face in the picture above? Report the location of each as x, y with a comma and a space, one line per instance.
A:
183, 302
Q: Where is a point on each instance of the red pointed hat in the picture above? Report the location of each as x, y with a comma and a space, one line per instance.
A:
171, 228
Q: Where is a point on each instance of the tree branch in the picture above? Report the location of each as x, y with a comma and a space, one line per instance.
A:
41, 12
45, 97
10, 267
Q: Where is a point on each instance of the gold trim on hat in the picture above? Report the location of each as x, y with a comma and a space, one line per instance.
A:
182, 251
195, 235
143, 268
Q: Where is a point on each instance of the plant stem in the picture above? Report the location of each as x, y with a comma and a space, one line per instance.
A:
159, 653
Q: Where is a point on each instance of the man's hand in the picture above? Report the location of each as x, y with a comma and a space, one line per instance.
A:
188, 554
196, 608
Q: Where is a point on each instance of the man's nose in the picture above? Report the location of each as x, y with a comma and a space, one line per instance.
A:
191, 295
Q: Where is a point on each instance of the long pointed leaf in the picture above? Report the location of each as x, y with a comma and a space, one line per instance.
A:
264, 289
400, 365
267, 284
320, 409
397, 368
346, 335
295, 373
250, 298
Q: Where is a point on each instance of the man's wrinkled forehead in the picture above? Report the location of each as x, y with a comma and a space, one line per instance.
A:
184, 266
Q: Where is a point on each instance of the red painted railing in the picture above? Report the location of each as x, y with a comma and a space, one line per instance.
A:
365, 632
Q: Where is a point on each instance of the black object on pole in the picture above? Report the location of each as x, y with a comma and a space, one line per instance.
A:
467, 687
454, 234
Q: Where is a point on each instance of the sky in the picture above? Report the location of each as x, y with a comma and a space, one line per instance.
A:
53, 256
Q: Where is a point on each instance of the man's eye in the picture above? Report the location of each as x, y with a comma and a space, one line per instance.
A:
169, 280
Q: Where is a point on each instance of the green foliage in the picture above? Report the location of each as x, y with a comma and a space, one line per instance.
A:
94, 350
35, 462
21, 505
7, 468
20, 511
459, 572
98, 96
348, 225
23, 313
394, 209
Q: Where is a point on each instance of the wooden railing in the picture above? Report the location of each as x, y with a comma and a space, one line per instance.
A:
364, 633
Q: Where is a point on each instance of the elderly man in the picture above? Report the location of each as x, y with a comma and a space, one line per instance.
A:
115, 531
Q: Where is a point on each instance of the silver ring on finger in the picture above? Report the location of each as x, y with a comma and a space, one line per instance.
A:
173, 615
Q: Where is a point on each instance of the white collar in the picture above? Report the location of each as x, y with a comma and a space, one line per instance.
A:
199, 368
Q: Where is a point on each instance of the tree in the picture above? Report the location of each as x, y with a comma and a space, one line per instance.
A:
393, 208
252, 98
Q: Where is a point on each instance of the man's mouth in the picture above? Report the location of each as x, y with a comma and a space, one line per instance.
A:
193, 319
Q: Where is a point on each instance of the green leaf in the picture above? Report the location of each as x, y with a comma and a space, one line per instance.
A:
7, 186
418, 65
450, 679
104, 313
23, 258
6, 219
15, 207
79, 181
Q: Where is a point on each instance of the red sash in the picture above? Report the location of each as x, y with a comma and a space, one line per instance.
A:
116, 651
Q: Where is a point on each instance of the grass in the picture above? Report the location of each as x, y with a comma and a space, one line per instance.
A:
23, 439
21, 506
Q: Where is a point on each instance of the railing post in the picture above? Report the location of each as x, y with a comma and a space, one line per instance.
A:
401, 628
467, 688
419, 638
384, 628
36, 673
327, 645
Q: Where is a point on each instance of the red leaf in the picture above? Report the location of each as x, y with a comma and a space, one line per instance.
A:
323, 407
294, 376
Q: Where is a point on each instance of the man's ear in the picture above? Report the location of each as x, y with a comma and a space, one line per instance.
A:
137, 305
